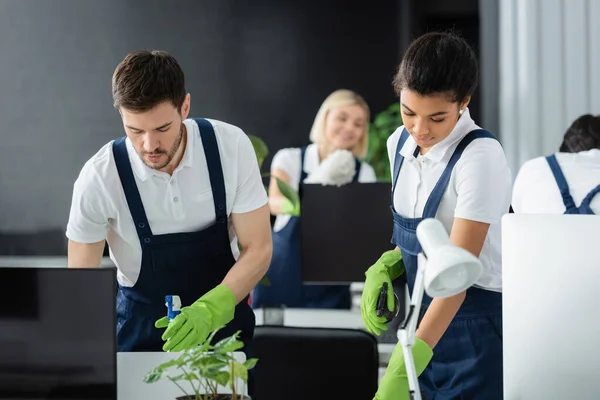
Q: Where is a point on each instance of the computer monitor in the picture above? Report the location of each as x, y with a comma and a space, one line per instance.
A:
551, 293
58, 337
344, 230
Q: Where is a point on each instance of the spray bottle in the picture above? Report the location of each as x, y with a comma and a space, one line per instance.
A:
173, 303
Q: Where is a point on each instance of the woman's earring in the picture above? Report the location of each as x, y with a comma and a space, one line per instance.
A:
461, 112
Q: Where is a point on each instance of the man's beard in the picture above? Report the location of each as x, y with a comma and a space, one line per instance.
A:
170, 154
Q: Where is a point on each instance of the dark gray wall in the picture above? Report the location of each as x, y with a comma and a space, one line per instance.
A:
490, 65
263, 65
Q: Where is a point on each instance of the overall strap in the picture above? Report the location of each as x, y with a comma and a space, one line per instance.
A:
588, 199
303, 174
215, 169
561, 182
399, 159
357, 170
433, 202
134, 201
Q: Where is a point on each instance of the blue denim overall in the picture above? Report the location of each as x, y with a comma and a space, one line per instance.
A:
467, 361
285, 272
187, 264
570, 208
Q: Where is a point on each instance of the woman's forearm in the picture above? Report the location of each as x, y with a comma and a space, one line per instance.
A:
436, 320
469, 235
275, 203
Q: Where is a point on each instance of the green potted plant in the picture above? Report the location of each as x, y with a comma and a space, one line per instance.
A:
383, 125
205, 368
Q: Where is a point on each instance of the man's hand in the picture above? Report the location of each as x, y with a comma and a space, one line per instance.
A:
394, 384
195, 322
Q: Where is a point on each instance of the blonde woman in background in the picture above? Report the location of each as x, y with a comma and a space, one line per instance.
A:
340, 138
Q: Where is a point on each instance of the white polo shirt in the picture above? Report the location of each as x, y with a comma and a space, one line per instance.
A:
535, 190
479, 188
288, 160
182, 202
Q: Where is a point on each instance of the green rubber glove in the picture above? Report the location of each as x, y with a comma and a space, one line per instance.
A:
387, 268
287, 207
394, 383
195, 322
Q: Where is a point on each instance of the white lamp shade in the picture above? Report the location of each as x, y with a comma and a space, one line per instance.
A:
449, 269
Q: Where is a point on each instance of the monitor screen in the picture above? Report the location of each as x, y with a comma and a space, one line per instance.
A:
58, 336
344, 230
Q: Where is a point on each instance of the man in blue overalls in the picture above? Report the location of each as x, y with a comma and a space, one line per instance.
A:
563, 186
567, 181
182, 206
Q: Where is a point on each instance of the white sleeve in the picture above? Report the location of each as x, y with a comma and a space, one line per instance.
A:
367, 174
89, 213
251, 193
392, 144
520, 188
483, 183
288, 161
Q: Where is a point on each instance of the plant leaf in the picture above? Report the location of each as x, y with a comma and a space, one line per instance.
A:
383, 120
229, 344
204, 347
289, 193
260, 148
208, 365
250, 363
384, 124
154, 375
222, 378
239, 370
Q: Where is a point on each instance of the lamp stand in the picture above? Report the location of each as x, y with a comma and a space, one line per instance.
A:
407, 330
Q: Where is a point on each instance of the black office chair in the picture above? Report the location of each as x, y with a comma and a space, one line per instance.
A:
98, 391
314, 363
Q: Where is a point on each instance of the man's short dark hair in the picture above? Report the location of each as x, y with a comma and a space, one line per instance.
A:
438, 62
582, 135
147, 78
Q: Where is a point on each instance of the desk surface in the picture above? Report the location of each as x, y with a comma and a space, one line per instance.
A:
316, 318
133, 367
43, 262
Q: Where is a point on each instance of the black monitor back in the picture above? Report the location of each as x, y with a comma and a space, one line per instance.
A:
58, 338
344, 230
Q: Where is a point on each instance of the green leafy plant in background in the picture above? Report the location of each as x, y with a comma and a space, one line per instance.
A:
383, 125
262, 151
205, 368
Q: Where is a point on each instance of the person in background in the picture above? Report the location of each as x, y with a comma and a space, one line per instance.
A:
444, 167
340, 139
567, 182
173, 198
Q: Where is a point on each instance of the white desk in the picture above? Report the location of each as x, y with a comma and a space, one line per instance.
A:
317, 318
42, 262
133, 367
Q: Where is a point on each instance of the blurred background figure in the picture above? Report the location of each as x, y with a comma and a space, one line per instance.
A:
339, 137
567, 182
